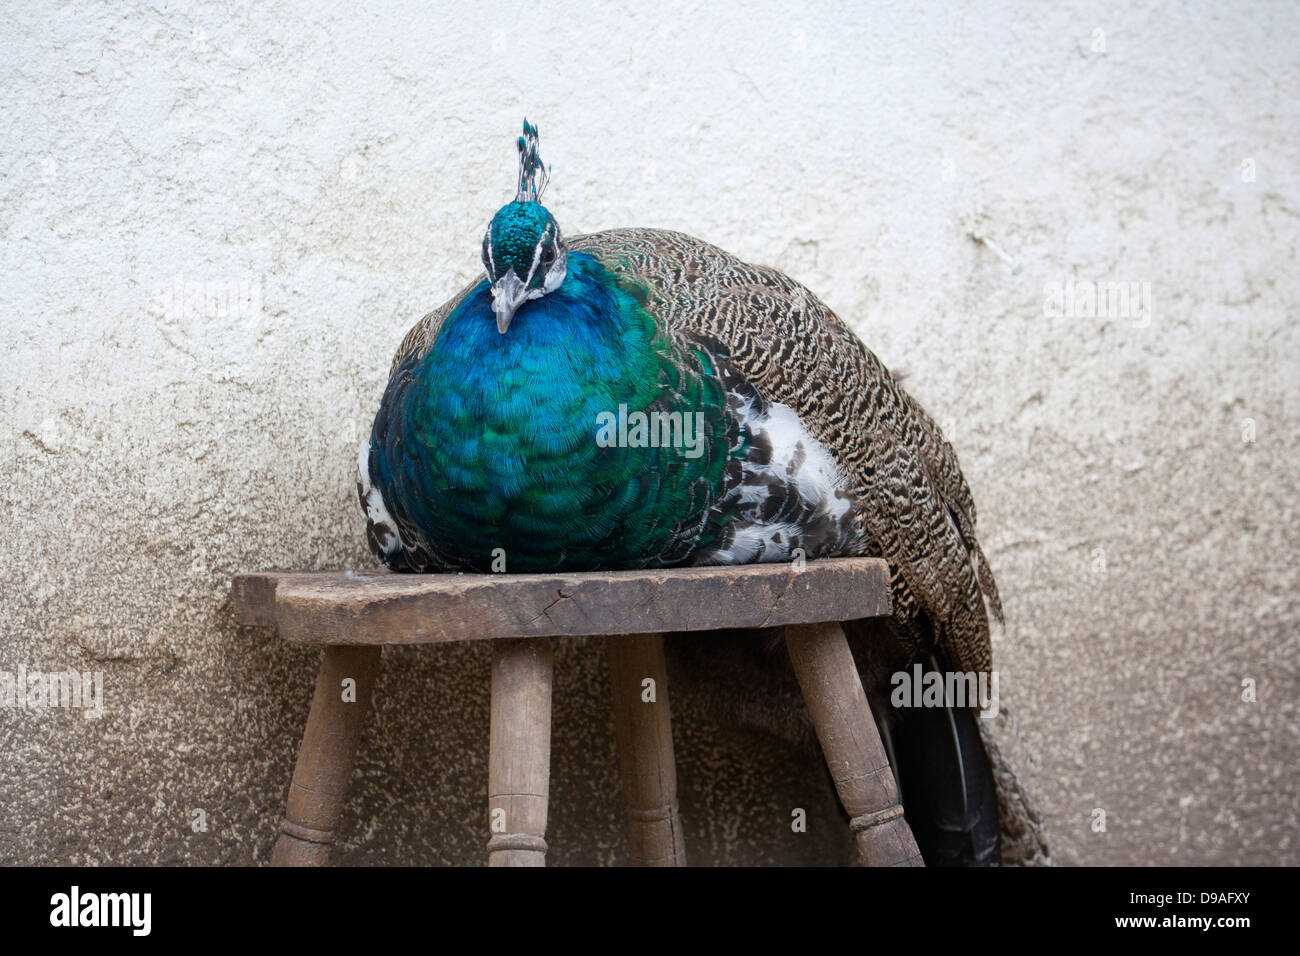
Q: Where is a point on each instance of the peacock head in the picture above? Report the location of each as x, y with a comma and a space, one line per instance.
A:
523, 251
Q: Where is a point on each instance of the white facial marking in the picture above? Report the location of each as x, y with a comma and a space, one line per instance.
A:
555, 277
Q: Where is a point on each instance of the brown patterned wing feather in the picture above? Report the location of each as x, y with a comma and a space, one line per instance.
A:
914, 502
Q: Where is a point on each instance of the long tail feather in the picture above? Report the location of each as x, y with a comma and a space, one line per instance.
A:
949, 794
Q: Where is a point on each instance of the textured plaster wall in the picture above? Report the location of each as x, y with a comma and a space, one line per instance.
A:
930, 172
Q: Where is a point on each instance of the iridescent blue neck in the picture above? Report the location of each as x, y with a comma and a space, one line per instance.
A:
588, 318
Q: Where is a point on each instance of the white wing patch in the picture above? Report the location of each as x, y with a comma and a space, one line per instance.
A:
790, 498
382, 526
805, 460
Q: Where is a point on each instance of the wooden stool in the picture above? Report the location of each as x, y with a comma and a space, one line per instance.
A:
352, 615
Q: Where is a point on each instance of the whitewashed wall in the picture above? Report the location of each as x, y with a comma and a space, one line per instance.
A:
936, 174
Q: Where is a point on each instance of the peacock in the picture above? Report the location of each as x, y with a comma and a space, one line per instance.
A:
638, 398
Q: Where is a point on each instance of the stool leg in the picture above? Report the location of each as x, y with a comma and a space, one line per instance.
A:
519, 759
645, 751
326, 756
851, 743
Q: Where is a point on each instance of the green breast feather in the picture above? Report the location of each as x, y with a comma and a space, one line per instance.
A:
584, 438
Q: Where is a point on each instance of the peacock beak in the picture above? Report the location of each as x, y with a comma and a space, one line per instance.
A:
508, 294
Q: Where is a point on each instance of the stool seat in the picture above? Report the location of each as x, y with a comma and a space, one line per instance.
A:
353, 614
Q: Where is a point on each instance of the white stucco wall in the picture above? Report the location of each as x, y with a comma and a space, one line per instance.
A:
1135, 473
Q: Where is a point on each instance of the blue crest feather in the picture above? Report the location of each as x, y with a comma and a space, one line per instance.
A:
533, 175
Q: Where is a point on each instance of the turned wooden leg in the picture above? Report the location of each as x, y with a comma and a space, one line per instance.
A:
326, 755
519, 759
645, 750
833, 692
